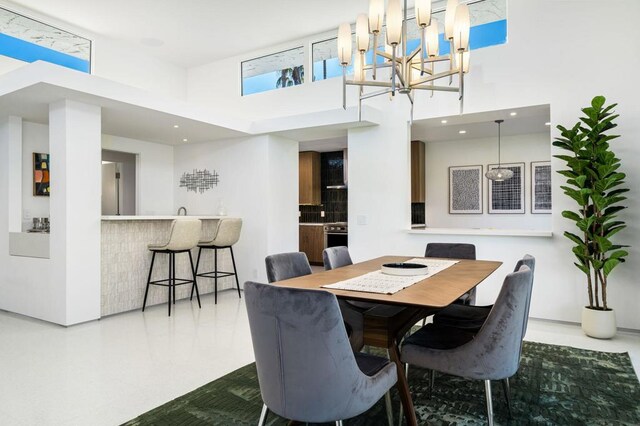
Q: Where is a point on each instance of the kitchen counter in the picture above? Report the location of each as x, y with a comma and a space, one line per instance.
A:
311, 224
161, 217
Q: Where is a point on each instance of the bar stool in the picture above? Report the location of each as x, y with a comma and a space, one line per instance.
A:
184, 236
227, 234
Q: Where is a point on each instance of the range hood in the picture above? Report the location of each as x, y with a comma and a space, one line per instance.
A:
345, 172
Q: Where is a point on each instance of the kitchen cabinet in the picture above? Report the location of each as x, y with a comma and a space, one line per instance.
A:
309, 178
418, 192
312, 242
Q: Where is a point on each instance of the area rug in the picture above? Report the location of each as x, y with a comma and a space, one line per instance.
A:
556, 385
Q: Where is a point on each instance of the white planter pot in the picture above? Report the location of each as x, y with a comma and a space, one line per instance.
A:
599, 324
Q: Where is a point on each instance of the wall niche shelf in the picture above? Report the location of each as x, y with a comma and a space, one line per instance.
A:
482, 231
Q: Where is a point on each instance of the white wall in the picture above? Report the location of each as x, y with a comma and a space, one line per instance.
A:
514, 149
114, 60
542, 63
35, 138
154, 173
258, 183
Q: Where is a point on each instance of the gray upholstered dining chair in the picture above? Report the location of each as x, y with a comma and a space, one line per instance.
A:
306, 368
491, 354
283, 266
455, 251
336, 257
470, 317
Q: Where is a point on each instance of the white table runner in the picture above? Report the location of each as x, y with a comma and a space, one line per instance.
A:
377, 282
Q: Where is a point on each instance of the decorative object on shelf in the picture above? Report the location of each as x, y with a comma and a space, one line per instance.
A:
541, 187
499, 173
507, 196
409, 70
41, 175
595, 183
465, 189
199, 180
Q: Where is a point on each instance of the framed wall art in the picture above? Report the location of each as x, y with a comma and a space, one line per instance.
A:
507, 196
41, 174
465, 189
541, 187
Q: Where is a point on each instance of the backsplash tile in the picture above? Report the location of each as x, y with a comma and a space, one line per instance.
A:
334, 201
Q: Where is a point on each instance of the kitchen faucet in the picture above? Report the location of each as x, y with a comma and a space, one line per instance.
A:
182, 208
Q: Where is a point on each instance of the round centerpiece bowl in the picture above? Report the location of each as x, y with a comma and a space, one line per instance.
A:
404, 269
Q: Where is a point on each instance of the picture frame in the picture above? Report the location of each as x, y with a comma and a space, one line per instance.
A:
41, 175
507, 197
465, 189
541, 202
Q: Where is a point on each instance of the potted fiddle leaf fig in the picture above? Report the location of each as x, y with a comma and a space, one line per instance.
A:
596, 184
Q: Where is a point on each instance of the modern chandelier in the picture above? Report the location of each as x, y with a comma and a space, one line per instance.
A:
499, 174
409, 70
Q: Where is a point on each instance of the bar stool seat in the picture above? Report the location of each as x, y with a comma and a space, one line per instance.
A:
183, 237
226, 235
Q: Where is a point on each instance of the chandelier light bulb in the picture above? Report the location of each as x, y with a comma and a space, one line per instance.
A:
423, 12
449, 18
433, 38
394, 22
461, 28
344, 44
465, 61
376, 15
362, 32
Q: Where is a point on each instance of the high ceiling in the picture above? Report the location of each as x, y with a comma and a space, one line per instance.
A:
194, 32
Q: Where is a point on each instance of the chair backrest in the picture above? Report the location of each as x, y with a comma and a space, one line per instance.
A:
336, 257
498, 344
185, 234
530, 261
287, 265
306, 368
451, 251
228, 232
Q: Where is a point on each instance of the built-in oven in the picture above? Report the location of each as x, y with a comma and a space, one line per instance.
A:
335, 234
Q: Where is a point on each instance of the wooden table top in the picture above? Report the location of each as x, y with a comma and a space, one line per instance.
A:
437, 291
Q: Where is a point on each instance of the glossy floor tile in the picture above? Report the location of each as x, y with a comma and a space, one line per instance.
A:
109, 371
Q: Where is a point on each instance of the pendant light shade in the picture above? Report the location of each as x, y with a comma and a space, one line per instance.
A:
344, 44
394, 22
358, 74
465, 61
362, 33
433, 38
499, 174
423, 12
461, 27
449, 18
376, 15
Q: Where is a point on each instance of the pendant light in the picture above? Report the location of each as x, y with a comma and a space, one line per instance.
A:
499, 174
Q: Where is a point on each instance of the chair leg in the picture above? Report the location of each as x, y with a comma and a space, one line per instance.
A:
215, 276
507, 395
263, 415
235, 271
170, 282
387, 401
146, 292
338, 422
487, 388
195, 284
406, 374
432, 382
197, 266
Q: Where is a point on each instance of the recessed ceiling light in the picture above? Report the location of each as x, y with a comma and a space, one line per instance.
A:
462, 132
443, 121
513, 113
175, 126
548, 123
185, 140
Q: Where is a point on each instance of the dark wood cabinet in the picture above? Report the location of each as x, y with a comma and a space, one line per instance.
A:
311, 238
418, 192
309, 178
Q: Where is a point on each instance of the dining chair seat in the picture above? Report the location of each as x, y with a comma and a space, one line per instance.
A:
439, 337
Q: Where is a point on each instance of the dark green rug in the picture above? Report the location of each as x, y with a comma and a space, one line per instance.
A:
556, 385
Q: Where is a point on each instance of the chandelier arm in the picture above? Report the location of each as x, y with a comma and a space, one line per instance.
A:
374, 94
461, 91
436, 88
405, 59
344, 87
419, 68
451, 46
394, 71
369, 67
439, 58
368, 83
375, 49
437, 76
422, 49
413, 54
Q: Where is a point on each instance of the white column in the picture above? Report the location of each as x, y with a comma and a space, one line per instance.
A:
75, 146
13, 134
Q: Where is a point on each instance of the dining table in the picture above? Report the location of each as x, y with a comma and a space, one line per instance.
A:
395, 314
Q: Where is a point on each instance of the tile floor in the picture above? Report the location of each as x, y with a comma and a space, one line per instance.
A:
109, 371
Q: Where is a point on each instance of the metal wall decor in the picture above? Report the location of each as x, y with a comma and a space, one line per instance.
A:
199, 180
